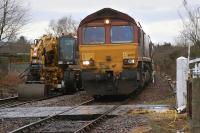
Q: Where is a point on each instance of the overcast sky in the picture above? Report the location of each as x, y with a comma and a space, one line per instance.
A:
159, 18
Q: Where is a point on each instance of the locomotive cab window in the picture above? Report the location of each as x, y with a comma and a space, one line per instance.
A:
94, 35
121, 34
66, 47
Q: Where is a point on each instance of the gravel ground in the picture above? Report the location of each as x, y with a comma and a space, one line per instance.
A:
155, 93
66, 100
158, 92
7, 125
9, 103
62, 126
120, 124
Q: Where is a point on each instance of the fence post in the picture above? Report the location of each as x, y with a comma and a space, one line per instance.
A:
189, 98
196, 105
1, 93
195, 95
181, 82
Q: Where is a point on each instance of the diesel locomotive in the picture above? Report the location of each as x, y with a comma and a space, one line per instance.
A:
115, 53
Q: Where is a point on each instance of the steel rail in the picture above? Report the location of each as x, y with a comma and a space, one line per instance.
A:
9, 98
3, 106
6, 101
91, 124
38, 123
9, 105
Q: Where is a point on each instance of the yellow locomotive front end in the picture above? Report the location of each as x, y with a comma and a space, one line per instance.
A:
108, 46
109, 70
108, 57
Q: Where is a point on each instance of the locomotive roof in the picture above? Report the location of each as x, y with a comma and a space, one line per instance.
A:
107, 13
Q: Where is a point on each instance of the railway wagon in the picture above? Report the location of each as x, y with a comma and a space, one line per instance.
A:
115, 53
59, 70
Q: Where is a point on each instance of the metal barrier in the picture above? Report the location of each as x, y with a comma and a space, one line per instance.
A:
196, 68
195, 94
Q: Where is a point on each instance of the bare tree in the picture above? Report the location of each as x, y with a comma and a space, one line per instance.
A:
191, 25
181, 41
192, 33
64, 25
13, 16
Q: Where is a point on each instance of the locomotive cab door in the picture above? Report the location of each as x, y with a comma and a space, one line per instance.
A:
66, 50
67, 61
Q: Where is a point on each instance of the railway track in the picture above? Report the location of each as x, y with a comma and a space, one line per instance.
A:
85, 128
10, 102
5, 100
13, 101
8, 99
102, 117
37, 124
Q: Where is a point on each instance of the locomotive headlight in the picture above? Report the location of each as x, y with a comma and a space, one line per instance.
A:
34, 61
131, 61
86, 63
128, 61
107, 21
60, 62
